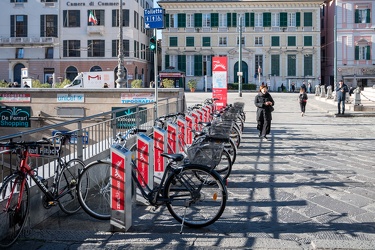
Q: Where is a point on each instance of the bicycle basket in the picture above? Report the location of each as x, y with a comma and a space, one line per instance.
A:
205, 154
230, 115
239, 106
221, 130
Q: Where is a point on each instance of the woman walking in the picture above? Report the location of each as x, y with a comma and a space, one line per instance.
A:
302, 100
264, 103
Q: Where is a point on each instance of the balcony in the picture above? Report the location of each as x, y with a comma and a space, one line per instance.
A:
95, 30
30, 41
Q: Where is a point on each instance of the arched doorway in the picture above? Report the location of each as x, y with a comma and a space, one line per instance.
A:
245, 72
17, 72
71, 73
95, 69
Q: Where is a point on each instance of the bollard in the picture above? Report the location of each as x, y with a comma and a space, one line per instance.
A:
160, 146
121, 189
317, 90
357, 96
322, 91
329, 92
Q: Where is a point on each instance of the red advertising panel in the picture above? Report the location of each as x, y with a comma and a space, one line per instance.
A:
118, 181
196, 116
190, 127
172, 138
160, 144
206, 114
219, 80
182, 128
143, 161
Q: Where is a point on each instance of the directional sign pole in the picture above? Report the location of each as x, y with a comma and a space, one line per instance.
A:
156, 73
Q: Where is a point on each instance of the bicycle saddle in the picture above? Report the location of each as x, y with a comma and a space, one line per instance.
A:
174, 157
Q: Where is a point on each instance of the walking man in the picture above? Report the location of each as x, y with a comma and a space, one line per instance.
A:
341, 96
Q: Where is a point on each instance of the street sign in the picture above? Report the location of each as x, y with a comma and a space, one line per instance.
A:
154, 18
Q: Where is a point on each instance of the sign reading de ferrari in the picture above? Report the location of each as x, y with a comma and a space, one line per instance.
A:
15, 117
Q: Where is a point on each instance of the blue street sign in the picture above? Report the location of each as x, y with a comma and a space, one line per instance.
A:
154, 18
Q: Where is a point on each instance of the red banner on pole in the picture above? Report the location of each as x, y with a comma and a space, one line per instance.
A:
219, 80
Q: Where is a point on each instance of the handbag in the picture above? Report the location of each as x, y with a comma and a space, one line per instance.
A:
271, 108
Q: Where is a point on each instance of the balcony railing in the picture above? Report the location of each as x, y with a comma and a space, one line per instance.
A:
26, 40
98, 30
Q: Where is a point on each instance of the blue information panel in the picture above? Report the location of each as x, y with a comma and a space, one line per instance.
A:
154, 18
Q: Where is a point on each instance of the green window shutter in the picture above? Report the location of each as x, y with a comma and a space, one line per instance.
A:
267, 19
307, 70
173, 42
247, 19
307, 19
198, 65
181, 65
181, 20
166, 61
307, 41
356, 16
190, 41
275, 41
283, 19
198, 20
275, 65
368, 16
206, 41
234, 19
252, 19
229, 19
42, 33
214, 19
356, 52
167, 20
368, 53
291, 41
298, 19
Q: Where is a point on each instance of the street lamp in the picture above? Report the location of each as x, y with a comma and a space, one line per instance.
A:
120, 68
239, 73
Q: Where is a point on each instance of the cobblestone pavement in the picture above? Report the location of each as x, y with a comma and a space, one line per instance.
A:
312, 186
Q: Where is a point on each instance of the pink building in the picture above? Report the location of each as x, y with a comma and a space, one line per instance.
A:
354, 27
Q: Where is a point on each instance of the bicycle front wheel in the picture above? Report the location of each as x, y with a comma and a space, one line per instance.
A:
13, 216
67, 186
94, 190
197, 202
224, 168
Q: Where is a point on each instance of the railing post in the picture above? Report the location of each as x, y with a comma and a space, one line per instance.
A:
137, 116
167, 108
79, 141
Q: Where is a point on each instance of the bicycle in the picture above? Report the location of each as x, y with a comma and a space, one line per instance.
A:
15, 190
195, 195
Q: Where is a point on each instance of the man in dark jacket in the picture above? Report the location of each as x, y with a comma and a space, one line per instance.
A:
264, 103
341, 91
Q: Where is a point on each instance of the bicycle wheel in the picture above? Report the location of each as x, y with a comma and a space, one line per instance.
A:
67, 186
232, 150
13, 217
192, 201
224, 167
235, 135
94, 190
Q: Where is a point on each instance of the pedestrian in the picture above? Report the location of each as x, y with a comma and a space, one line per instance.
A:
25, 85
152, 84
303, 86
282, 87
293, 87
105, 85
309, 87
341, 91
302, 100
161, 85
264, 103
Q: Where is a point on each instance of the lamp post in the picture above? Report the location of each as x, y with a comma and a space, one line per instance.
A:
239, 73
335, 46
120, 68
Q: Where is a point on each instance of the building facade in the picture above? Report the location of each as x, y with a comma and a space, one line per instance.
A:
61, 38
280, 40
353, 59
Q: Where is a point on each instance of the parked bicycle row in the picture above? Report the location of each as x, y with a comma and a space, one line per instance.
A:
196, 151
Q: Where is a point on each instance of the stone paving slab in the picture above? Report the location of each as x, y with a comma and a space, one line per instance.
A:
312, 186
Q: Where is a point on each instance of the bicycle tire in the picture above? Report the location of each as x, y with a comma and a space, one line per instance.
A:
232, 150
235, 135
94, 196
198, 211
67, 182
224, 168
12, 221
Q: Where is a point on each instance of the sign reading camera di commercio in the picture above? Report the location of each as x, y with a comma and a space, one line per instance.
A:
15, 117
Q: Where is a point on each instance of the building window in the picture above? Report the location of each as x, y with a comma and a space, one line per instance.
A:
292, 65
18, 1
275, 19
307, 41
266, 19
190, 41
308, 65
136, 49
363, 16
19, 53
206, 41
291, 19
96, 48
258, 41
173, 42
125, 18
136, 22
242, 40
98, 15
223, 20
71, 48
18, 26
181, 20
206, 20
258, 18
125, 46
48, 75
189, 20
362, 52
275, 65
307, 19
292, 41
207, 65
48, 25
71, 18
258, 63
223, 41
49, 53
71, 73
275, 41
173, 20
190, 65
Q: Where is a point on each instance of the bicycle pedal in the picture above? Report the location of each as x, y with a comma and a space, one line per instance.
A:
52, 203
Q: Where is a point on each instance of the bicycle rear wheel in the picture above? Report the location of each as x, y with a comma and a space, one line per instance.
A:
13, 217
67, 183
94, 190
224, 168
195, 202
